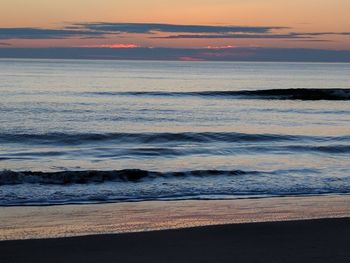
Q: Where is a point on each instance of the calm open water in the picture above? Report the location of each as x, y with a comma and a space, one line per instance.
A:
79, 131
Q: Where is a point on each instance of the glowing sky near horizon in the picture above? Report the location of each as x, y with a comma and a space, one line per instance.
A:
299, 16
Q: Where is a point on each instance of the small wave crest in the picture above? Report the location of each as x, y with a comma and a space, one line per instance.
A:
154, 138
8, 177
271, 94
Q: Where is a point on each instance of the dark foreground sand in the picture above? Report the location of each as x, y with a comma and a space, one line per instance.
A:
323, 240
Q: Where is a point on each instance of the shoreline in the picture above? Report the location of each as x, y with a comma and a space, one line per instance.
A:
145, 201
39, 222
317, 240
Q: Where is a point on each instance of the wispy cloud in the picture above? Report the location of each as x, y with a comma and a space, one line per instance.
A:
111, 46
292, 35
237, 36
149, 28
43, 33
220, 47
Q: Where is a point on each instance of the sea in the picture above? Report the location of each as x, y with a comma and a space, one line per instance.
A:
98, 131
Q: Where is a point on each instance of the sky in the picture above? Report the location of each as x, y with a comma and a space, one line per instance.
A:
182, 24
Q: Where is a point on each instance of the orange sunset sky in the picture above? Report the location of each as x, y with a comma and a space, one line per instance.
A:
323, 24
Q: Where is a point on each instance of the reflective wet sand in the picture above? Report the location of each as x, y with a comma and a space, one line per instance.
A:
77, 220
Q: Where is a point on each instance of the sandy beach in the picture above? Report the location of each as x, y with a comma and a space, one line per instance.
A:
293, 229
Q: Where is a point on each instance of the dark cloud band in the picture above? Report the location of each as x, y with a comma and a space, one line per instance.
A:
237, 36
147, 28
154, 30
98, 30
293, 35
42, 33
216, 54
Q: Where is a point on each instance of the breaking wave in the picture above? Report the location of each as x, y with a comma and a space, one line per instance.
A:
271, 94
8, 177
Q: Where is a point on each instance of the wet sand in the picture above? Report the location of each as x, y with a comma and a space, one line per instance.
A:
78, 220
325, 240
